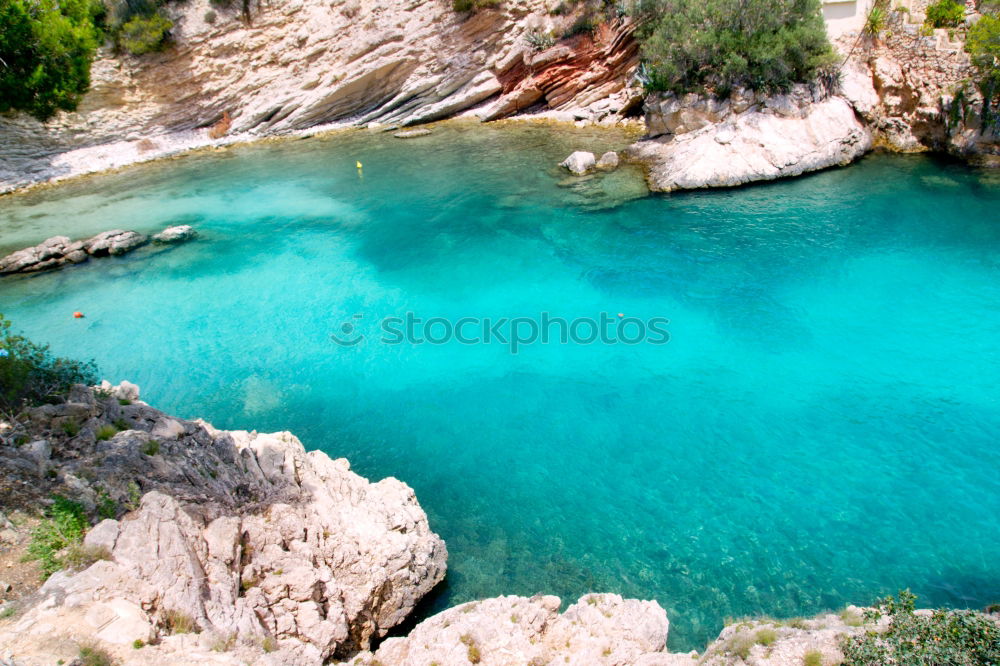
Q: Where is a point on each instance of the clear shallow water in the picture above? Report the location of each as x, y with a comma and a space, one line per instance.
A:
821, 429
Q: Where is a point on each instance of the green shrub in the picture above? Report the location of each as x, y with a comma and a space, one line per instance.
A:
953, 637
717, 45
107, 507
151, 448
78, 556
945, 13
91, 655
46, 47
29, 373
138, 644
766, 637
210, 16
876, 21
146, 34
983, 45
177, 622
812, 658
64, 527
106, 432
71, 428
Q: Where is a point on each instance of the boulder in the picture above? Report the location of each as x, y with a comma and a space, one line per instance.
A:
608, 162
114, 242
579, 162
177, 234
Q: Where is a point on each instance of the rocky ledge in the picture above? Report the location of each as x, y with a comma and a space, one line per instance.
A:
244, 538
60, 251
697, 142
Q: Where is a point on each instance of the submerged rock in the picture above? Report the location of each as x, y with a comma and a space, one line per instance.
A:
580, 162
178, 234
411, 134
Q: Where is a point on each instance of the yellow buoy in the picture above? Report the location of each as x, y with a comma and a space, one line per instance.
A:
359, 165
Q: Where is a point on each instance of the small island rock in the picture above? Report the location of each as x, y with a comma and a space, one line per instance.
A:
178, 234
580, 162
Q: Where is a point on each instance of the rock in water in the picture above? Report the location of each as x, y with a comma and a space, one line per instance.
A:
411, 134
51, 253
608, 161
114, 242
579, 162
178, 234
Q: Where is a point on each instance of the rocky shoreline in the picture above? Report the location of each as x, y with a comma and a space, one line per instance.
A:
235, 547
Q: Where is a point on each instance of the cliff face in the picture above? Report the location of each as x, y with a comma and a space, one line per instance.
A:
293, 64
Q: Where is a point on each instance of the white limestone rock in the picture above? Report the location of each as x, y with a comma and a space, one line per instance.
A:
788, 137
608, 161
598, 629
246, 534
580, 162
176, 234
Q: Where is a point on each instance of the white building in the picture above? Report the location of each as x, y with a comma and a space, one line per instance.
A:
845, 15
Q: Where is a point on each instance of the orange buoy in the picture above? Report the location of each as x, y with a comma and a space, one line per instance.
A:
77, 315
620, 315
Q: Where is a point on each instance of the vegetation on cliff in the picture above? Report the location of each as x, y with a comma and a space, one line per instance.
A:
31, 375
46, 47
718, 45
983, 45
938, 637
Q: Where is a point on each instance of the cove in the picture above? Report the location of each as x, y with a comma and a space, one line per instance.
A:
820, 429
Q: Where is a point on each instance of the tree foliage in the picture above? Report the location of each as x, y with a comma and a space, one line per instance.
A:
31, 375
46, 47
983, 45
718, 45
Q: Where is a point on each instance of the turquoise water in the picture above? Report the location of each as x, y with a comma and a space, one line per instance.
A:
821, 428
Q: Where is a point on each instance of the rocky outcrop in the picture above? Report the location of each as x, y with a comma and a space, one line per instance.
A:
60, 250
707, 142
598, 629
243, 537
288, 66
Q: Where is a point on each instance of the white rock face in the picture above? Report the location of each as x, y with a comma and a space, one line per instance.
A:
246, 535
580, 162
598, 629
709, 144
